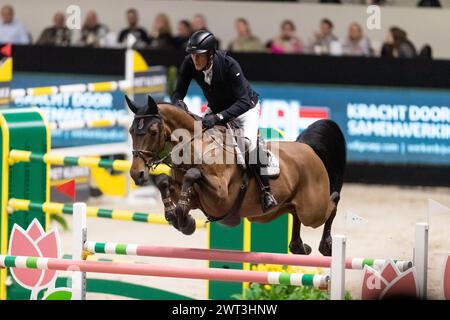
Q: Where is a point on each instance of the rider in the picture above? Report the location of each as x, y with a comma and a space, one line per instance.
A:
228, 93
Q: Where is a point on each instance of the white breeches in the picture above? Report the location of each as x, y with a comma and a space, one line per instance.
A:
250, 125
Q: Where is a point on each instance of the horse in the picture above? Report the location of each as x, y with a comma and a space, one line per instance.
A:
308, 186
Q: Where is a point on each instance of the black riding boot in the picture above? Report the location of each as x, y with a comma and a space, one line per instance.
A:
267, 199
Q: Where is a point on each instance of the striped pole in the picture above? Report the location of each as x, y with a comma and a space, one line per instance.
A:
92, 124
93, 212
16, 156
230, 255
230, 275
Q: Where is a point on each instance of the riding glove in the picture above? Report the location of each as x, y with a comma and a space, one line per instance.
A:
210, 120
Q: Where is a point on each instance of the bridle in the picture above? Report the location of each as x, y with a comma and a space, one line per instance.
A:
151, 158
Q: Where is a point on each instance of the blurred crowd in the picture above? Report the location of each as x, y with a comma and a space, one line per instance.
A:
162, 36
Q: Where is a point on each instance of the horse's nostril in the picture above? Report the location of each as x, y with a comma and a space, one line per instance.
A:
141, 174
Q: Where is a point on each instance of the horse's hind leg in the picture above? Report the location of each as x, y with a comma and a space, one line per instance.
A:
326, 242
296, 246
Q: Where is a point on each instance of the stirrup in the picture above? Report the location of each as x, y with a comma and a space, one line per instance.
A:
271, 201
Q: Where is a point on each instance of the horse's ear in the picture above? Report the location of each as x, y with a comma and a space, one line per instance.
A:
152, 106
133, 107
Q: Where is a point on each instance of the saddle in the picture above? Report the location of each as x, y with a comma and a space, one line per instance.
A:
270, 163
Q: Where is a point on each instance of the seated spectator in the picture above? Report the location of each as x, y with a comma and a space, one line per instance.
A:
162, 33
356, 44
12, 30
142, 39
245, 41
199, 23
397, 45
324, 41
287, 41
58, 34
184, 32
93, 33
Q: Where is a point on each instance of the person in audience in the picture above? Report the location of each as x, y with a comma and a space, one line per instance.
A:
356, 43
184, 32
397, 44
245, 40
287, 41
58, 34
162, 33
93, 33
199, 22
12, 30
324, 41
142, 38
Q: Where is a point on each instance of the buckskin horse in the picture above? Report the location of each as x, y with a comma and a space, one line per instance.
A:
308, 185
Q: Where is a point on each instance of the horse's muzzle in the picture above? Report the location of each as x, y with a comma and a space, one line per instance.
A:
140, 177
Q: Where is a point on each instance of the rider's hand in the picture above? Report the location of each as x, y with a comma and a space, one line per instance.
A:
210, 120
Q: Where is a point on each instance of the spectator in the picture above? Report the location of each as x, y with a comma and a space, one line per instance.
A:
397, 45
184, 32
93, 33
12, 30
199, 23
142, 39
325, 42
162, 33
287, 41
58, 34
356, 44
245, 41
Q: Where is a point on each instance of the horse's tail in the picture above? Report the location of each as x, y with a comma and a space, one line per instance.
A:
328, 142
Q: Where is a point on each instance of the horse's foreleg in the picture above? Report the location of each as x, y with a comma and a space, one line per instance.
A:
296, 246
162, 182
185, 221
326, 242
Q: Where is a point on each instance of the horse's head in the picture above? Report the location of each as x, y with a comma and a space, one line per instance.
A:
148, 136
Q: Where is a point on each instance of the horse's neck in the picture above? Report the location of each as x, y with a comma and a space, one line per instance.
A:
176, 118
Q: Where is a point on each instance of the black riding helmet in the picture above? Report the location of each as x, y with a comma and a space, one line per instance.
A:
201, 41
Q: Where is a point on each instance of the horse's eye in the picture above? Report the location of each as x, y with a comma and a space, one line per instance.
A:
153, 133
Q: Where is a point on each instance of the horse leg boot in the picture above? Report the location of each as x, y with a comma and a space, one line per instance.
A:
267, 199
326, 242
185, 221
162, 182
296, 246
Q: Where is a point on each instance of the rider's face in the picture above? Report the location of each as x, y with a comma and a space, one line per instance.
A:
200, 60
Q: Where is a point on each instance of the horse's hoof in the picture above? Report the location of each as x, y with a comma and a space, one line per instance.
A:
298, 247
307, 249
171, 219
189, 227
325, 247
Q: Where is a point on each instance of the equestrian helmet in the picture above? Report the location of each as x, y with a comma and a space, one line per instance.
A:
201, 41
